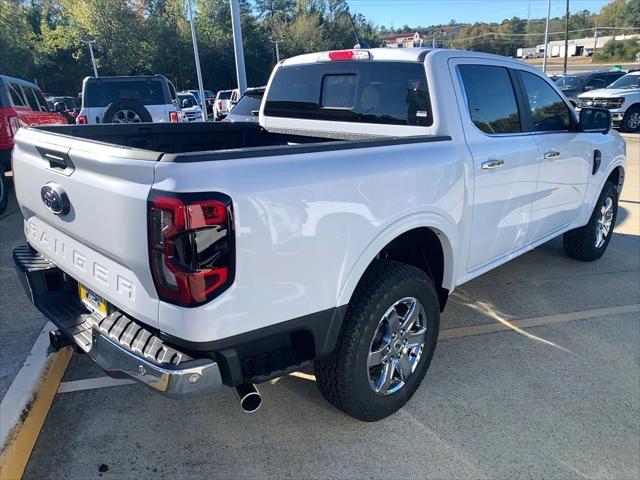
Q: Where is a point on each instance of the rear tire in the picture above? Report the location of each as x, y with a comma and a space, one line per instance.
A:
589, 243
4, 192
354, 377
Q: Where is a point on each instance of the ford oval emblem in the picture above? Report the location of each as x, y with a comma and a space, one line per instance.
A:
55, 198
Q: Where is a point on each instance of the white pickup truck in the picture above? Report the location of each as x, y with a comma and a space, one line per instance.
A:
192, 256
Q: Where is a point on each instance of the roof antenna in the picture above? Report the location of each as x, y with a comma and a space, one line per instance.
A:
360, 42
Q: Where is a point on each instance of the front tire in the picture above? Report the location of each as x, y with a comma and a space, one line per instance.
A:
4, 191
387, 343
631, 120
589, 243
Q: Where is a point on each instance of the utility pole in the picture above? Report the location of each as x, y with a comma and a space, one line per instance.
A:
276, 41
89, 41
241, 73
203, 105
546, 38
566, 37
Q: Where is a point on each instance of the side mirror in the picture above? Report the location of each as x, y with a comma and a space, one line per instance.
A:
595, 120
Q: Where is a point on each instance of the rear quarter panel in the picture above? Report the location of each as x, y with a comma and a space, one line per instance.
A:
307, 225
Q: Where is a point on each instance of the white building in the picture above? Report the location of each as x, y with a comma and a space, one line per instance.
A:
580, 46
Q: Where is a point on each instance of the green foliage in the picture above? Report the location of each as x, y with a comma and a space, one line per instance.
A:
43, 39
618, 50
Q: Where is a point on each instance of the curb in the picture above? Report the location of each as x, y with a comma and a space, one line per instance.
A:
25, 406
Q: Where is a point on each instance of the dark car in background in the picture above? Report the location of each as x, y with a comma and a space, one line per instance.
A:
209, 99
22, 103
248, 107
574, 84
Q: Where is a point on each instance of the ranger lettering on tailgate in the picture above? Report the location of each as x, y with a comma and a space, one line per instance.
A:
58, 250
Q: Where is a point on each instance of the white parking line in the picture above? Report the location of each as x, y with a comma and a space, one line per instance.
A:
505, 325
104, 382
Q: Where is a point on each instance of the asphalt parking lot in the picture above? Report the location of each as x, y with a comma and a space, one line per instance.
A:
537, 375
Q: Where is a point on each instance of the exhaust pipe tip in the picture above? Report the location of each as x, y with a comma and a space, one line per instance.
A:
250, 398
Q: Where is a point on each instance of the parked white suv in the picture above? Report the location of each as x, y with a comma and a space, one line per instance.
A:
132, 99
190, 256
189, 105
225, 100
621, 98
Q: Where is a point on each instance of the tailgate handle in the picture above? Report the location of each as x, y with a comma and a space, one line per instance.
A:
58, 159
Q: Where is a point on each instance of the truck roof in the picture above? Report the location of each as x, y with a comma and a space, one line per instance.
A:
416, 54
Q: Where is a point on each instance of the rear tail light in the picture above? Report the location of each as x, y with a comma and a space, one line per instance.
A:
174, 117
82, 120
219, 105
14, 125
191, 246
343, 55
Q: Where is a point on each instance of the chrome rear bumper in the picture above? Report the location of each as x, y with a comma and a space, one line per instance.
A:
122, 347
193, 378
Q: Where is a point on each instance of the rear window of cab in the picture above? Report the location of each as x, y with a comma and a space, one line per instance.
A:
393, 93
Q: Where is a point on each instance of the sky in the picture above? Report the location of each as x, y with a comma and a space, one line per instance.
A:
397, 13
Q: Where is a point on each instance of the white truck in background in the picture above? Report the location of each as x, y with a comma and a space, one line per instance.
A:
192, 256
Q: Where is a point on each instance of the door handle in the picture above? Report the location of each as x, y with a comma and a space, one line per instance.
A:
491, 164
551, 155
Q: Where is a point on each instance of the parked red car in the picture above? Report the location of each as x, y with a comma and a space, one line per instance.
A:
21, 104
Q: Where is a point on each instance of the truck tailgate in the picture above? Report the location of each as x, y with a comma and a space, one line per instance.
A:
102, 240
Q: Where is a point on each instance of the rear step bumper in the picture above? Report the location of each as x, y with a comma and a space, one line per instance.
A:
120, 346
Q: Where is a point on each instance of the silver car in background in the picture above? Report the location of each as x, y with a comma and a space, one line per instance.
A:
248, 107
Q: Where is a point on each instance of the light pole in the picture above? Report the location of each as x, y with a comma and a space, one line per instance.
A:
566, 37
89, 41
546, 38
237, 46
595, 43
203, 105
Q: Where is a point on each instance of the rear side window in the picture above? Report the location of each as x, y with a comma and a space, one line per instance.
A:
548, 110
392, 93
491, 98
101, 93
248, 103
31, 98
598, 81
613, 76
16, 95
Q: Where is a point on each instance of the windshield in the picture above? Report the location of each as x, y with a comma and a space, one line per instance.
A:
628, 81
224, 95
183, 96
249, 103
569, 81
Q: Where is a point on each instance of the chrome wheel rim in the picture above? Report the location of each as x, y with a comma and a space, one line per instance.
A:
397, 346
605, 219
126, 116
634, 120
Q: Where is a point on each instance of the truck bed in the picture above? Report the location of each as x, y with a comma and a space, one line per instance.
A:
206, 141
181, 137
